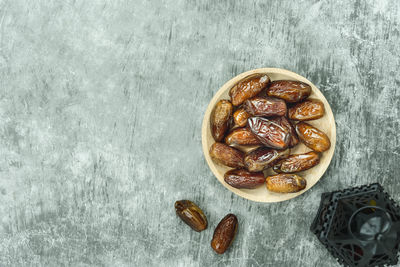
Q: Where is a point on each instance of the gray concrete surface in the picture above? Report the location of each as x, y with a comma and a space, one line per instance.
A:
101, 104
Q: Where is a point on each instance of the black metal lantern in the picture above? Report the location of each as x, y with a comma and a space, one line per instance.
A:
359, 226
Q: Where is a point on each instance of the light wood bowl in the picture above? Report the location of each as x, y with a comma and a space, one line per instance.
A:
325, 124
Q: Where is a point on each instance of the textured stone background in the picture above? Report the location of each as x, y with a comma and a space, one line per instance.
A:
101, 104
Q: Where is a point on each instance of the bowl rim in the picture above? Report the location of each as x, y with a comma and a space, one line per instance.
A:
229, 84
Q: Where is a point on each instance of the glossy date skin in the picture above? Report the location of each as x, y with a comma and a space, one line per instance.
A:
224, 233
226, 155
242, 136
311, 109
270, 133
297, 162
220, 119
285, 183
290, 91
285, 123
242, 178
265, 106
240, 117
263, 158
312, 137
191, 214
248, 88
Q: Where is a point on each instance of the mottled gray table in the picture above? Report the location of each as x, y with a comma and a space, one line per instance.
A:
101, 105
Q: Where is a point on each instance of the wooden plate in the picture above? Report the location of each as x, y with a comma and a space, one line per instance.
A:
325, 124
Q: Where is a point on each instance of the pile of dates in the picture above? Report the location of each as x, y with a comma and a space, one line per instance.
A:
257, 127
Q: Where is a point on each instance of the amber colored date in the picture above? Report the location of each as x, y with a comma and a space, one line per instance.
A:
247, 88
285, 123
297, 163
227, 155
312, 137
241, 178
311, 109
270, 133
191, 214
262, 158
220, 119
265, 106
242, 136
285, 183
290, 91
224, 233
240, 117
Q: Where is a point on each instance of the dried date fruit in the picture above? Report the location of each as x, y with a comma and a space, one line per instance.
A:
312, 137
290, 91
270, 133
241, 178
191, 214
285, 123
240, 117
247, 88
227, 155
285, 183
224, 233
247, 148
297, 163
220, 119
311, 109
265, 106
263, 158
242, 136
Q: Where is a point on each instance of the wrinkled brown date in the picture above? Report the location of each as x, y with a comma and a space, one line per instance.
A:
312, 137
285, 183
224, 233
311, 109
247, 88
262, 158
290, 91
265, 106
191, 214
227, 155
297, 163
240, 117
244, 179
269, 133
242, 136
220, 119
285, 123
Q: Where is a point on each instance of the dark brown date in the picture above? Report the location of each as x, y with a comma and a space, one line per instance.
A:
270, 133
285, 183
242, 136
290, 91
220, 119
285, 123
227, 155
311, 109
312, 137
240, 117
241, 178
265, 106
191, 214
262, 158
247, 88
224, 233
297, 163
